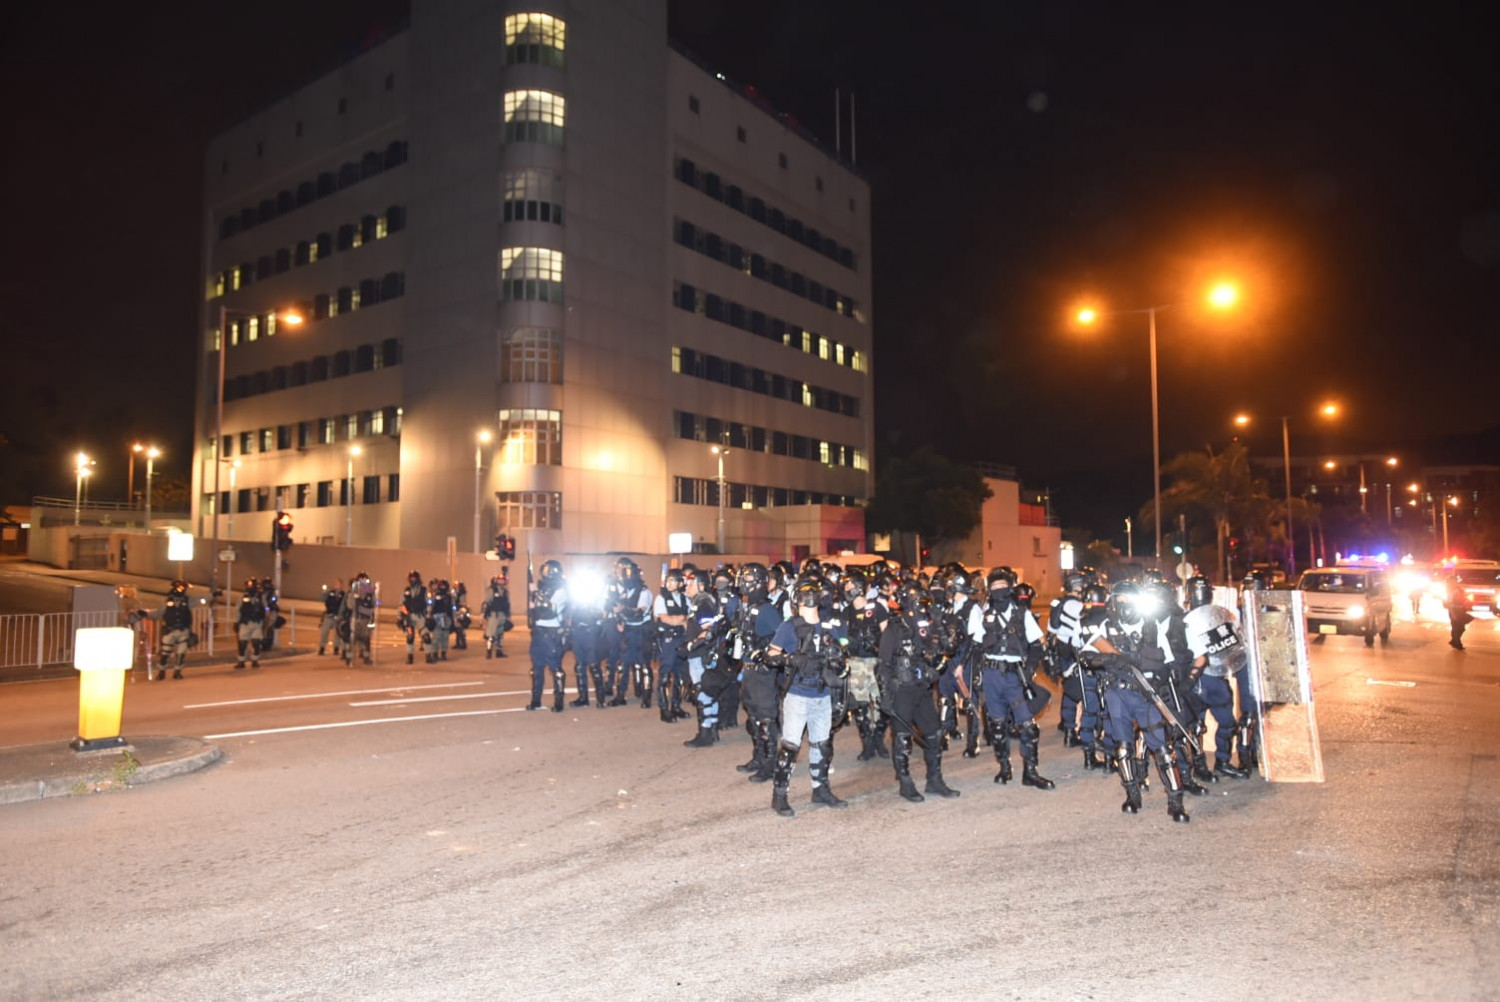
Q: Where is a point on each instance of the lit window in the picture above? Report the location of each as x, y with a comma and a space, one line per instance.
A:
531, 436
825, 454
532, 194
377, 422
535, 38
860, 463
531, 355
534, 116
357, 240
381, 228
219, 284
270, 324
530, 509
252, 329
234, 279
857, 362
531, 274
312, 252
351, 426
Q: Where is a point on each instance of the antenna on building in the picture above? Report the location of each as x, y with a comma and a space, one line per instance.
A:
837, 128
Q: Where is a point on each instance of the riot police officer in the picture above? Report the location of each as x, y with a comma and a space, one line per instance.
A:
358, 619
176, 629
867, 617
1011, 642
756, 619
462, 619
439, 620
909, 661
587, 635
632, 608
251, 624
548, 605
1164, 610
1064, 625
413, 615
702, 646
1213, 636
274, 619
496, 613
811, 650
1126, 643
333, 607
670, 612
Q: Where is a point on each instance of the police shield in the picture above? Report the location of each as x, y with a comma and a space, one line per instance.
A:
1276, 642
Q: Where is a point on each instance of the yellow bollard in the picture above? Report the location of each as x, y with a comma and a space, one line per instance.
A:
102, 656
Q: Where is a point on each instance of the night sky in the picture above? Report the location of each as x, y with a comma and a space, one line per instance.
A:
1338, 163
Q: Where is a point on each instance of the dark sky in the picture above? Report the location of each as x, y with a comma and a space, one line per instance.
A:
1338, 161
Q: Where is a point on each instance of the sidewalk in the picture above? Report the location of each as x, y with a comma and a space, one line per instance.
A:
37, 772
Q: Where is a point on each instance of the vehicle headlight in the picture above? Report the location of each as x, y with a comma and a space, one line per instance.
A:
1356, 611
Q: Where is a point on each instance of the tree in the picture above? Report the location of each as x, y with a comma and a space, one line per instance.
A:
927, 493
1219, 490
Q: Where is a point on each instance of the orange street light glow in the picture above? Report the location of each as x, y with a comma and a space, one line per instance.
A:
291, 318
1330, 410
1223, 296
1087, 316
1242, 419
1330, 465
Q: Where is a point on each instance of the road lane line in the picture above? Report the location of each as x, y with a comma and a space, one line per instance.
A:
1379, 681
360, 723
325, 695
439, 699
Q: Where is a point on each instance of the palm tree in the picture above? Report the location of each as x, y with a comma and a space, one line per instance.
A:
1219, 488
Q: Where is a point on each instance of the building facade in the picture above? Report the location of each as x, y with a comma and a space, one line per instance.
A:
559, 281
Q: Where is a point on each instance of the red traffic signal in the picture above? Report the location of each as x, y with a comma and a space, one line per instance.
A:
281, 532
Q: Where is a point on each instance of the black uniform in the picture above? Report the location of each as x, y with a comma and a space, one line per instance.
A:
911, 657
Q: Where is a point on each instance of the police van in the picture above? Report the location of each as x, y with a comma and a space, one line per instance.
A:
1479, 579
1347, 600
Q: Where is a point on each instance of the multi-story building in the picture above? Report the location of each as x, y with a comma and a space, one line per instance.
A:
547, 262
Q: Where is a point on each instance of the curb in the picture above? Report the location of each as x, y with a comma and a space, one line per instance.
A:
61, 773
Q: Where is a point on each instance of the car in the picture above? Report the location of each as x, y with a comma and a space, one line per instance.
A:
1347, 601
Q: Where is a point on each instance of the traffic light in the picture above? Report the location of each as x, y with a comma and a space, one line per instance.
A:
505, 547
281, 532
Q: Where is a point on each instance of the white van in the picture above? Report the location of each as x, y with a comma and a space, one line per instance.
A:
1348, 601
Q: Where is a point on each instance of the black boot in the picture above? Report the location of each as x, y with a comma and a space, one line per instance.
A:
648, 687
764, 737
786, 758
755, 758
677, 712
1000, 741
583, 687
933, 753
901, 759
866, 732
971, 731
1247, 727
1125, 766
1093, 760
821, 793
707, 734
1200, 771
1171, 779
1223, 767
1030, 738
1071, 739
557, 692
877, 741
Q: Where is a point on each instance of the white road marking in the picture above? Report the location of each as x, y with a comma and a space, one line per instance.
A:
439, 699
325, 695
1378, 681
360, 723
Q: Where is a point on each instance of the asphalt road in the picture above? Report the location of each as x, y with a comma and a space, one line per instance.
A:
477, 851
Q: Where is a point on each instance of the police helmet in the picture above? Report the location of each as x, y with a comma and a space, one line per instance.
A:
673, 576
810, 565
960, 582
496, 583
1001, 577
179, 585
252, 585
1256, 581
809, 593
783, 574
1199, 591
1094, 595
415, 577
753, 578
552, 570
1074, 582
1024, 593
1124, 602
910, 598
855, 581
1161, 595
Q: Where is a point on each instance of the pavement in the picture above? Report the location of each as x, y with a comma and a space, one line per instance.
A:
38, 772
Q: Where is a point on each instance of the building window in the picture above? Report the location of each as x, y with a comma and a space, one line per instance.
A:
536, 38
531, 436
535, 195
300, 500
534, 116
531, 355
393, 487
530, 509
370, 490
531, 274
326, 430
283, 436
325, 493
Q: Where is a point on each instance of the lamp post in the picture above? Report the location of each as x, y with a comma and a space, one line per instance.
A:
354, 450
1222, 296
151, 455
135, 450
1327, 410
721, 451
480, 441
1447, 500
1129, 539
289, 317
80, 470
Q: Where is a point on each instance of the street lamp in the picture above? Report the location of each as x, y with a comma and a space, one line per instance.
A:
721, 451
480, 441
135, 450
289, 317
1391, 464
1221, 297
81, 464
1326, 410
1447, 500
354, 450
234, 468
151, 454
